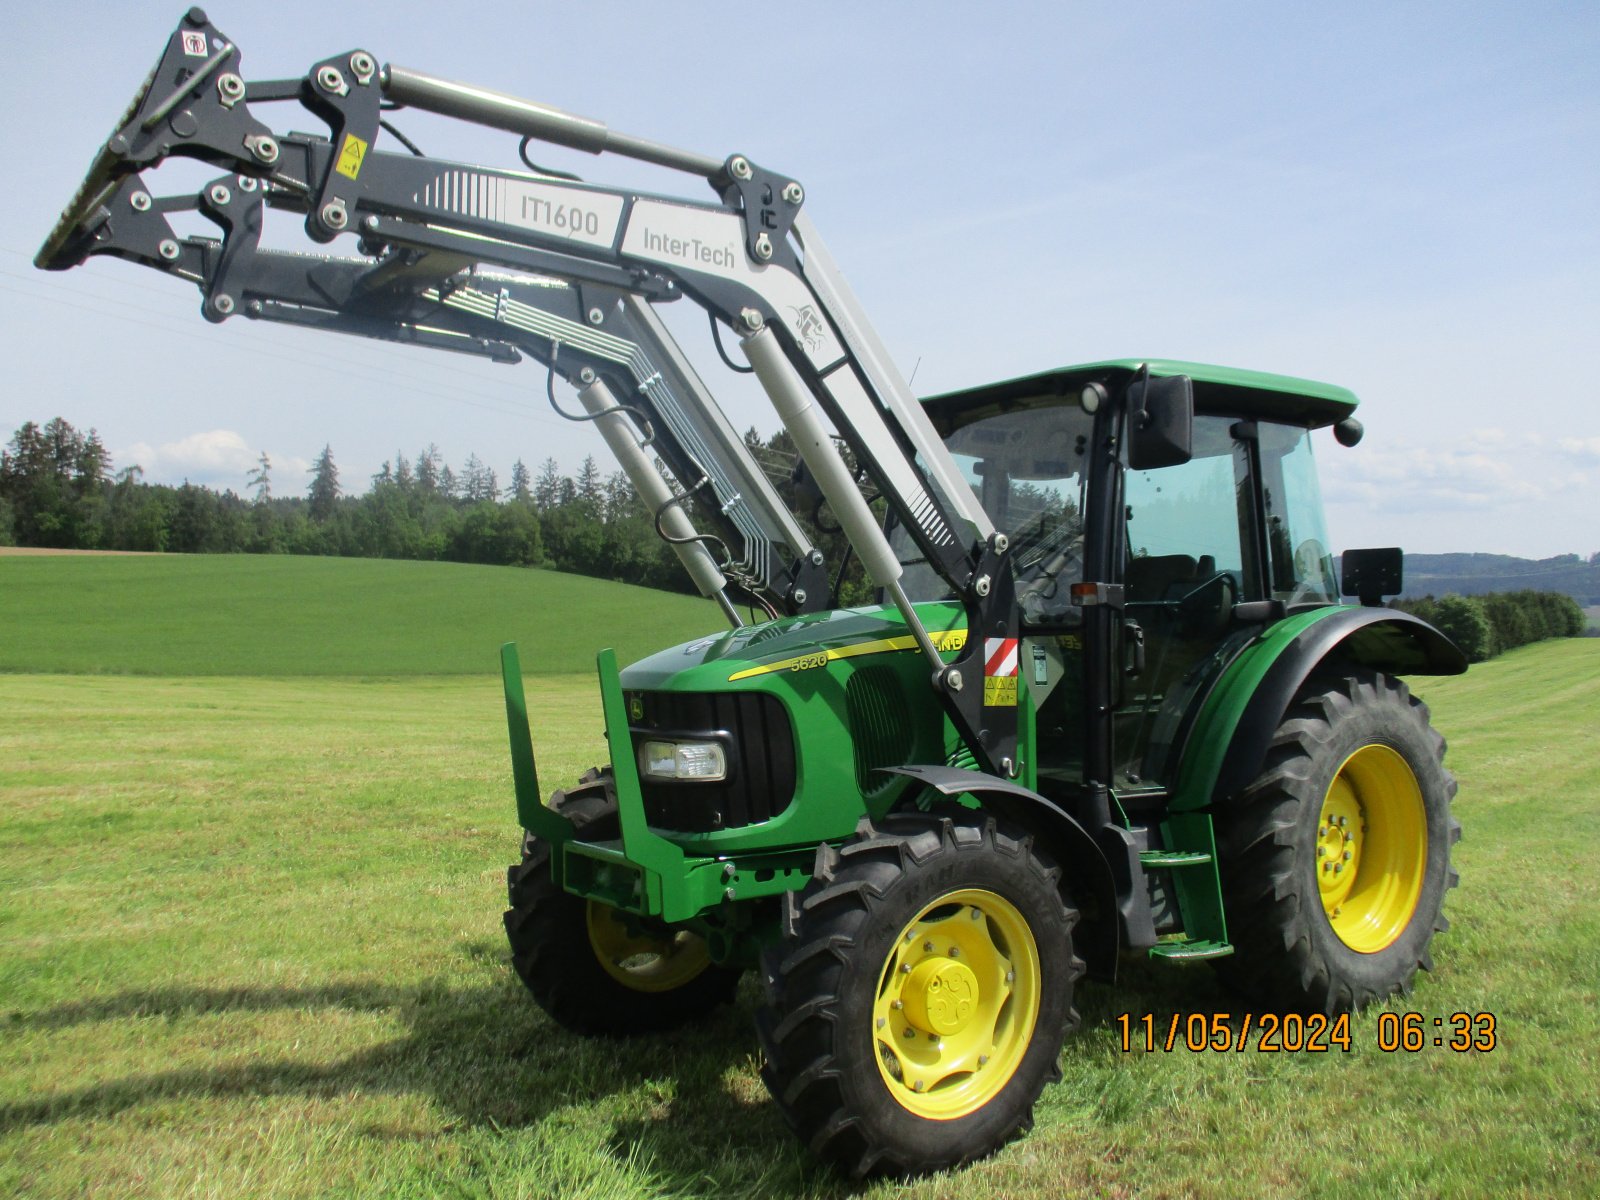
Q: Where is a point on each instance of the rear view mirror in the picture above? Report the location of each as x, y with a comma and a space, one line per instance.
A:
1370, 575
1160, 421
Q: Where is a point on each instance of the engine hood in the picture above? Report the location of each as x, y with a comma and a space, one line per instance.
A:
725, 661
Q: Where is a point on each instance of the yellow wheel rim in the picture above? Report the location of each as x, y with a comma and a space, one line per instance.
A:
956, 1005
642, 962
1372, 848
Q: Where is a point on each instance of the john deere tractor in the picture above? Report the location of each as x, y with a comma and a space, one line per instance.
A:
1110, 703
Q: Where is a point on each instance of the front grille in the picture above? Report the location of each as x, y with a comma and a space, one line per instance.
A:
755, 732
879, 727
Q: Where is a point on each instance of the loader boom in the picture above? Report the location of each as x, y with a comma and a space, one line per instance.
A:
501, 263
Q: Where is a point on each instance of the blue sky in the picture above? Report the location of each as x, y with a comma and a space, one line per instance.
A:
1401, 199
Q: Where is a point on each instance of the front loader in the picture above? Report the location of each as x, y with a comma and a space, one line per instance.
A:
1110, 703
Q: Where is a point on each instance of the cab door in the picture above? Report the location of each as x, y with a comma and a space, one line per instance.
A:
1186, 552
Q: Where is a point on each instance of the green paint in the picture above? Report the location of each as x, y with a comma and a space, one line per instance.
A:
1213, 732
531, 812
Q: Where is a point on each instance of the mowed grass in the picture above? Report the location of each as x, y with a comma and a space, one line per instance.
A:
256, 614
250, 946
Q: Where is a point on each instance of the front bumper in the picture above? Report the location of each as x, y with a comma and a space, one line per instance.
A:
642, 871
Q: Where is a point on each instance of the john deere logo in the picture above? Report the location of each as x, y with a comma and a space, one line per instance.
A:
636, 708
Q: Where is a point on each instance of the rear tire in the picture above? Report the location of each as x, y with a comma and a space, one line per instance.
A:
1336, 859
585, 965
917, 1004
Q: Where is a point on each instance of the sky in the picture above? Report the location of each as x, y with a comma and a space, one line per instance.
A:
1401, 199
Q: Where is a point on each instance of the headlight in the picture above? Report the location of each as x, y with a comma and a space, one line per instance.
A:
683, 760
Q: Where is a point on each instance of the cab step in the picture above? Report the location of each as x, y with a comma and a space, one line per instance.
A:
1186, 951
1173, 858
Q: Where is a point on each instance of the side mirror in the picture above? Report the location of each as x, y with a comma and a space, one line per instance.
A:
1160, 422
1370, 575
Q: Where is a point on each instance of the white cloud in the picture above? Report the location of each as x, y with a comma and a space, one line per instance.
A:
1467, 476
219, 458
1585, 450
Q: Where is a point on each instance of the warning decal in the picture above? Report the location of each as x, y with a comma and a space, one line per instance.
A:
194, 44
1000, 672
351, 156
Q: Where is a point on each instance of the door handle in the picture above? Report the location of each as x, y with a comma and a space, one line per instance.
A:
1133, 648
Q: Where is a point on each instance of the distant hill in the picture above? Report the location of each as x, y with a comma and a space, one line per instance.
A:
275, 614
1474, 574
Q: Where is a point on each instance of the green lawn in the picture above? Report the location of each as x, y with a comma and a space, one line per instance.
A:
250, 946
257, 614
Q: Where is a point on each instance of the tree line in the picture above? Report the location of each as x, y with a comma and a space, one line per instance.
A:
58, 489
1492, 623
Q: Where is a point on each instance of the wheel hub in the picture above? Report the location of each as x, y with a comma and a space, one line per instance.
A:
1371, 848
958, 999
940, 995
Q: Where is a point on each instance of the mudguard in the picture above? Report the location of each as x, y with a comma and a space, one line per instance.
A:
1229, 741
1098, 941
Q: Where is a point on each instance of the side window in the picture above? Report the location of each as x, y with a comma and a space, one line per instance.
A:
1297, 542
1186, 562
1184, 522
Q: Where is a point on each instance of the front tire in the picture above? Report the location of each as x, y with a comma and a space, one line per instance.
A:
595, 970
1336, 859
916, 1007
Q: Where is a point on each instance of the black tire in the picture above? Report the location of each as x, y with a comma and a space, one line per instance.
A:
852, 930
1295, 947
557, 958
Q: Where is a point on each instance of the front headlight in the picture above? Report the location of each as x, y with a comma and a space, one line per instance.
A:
704, 761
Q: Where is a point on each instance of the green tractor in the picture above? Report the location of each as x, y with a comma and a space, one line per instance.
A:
1216, 761
1109, 706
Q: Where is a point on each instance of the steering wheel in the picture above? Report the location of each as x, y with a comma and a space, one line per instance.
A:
1308, 560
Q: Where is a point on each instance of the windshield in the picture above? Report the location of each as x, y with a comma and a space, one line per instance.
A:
1028, 467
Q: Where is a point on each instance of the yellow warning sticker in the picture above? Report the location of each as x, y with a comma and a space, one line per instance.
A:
351, 155
1000, 691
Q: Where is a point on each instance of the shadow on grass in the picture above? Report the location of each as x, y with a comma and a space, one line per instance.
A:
485, 1052
487, 1055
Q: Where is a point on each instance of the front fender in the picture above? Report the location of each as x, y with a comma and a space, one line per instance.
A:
1055, 828
1229, 741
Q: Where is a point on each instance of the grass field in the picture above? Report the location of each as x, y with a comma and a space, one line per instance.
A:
250, 946
238, 614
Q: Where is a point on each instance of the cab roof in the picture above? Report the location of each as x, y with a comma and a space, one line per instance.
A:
1303, 402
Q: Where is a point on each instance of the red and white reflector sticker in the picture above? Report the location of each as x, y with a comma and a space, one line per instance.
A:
1000, 671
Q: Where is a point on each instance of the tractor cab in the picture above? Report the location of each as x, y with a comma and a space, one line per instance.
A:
1188, 559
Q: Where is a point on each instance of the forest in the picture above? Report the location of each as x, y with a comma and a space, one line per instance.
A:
59, 488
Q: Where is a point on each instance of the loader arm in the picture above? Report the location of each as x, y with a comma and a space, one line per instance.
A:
439, 239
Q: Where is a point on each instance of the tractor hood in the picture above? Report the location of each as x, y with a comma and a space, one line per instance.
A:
724, 661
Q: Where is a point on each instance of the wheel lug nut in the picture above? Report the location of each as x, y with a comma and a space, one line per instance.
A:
983, 1060
1326, 867
1338, 868
1322, 831
1011, 976
1322, 851
911, 1033
905, 968
955, 951
1343, 821
897, 1005
927, 945
918, 1085
882, 1021
1347, 856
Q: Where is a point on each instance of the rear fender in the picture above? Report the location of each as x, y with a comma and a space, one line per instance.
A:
1229, 741
1089, 875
